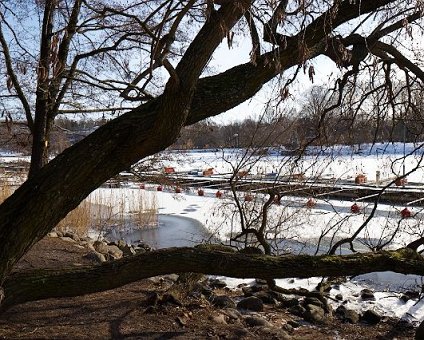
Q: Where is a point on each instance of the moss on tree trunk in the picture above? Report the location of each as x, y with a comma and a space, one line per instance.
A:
41, 284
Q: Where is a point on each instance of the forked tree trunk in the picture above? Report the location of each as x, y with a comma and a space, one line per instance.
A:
57, 188
41, 284
40, 143
40, 133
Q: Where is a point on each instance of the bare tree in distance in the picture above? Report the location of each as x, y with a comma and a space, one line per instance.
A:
84, 59
285, 36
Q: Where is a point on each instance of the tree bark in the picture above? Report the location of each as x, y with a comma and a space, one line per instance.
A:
58, 187
42, 284
39, 152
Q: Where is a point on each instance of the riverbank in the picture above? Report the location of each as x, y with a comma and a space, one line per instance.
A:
131, 311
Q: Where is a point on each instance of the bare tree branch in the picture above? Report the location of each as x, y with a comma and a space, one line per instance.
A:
14, 79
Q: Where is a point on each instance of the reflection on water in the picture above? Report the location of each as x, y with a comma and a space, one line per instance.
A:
179, 231
173, 231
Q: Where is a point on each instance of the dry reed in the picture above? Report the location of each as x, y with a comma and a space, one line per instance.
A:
111, 209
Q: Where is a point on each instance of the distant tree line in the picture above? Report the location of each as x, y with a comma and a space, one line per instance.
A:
292, 130
297, 131
310, 125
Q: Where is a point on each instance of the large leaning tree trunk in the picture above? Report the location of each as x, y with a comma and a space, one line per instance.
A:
42, 201
57, 188
39, 284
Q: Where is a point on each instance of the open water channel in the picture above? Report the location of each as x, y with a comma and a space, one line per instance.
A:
172, 231
180, 231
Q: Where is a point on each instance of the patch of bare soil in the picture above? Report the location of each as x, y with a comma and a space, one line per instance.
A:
132, 312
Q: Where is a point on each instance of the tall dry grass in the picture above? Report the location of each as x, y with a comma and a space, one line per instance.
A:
5, 191
103, 209
115, 209
78, 221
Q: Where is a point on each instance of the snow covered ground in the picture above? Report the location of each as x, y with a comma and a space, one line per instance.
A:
340, 162
330, 217
388, 286
302, 225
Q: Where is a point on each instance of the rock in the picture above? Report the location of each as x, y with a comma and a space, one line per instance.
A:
144, 246
68, 234
170, 298
288, 302
293, 323
100, 247
371, 317
112, 251
261, 282
347, 315
413, 294
76, 238
253, 321
404, 298
95, 256
195, 294
128, 250
287, 327
222, 301
314, 314
410, 295
258, 288
72, 236
171, 277
205, 290
52, 234
404, 325
115, 252
232, 313
313, 301
274, 333
67, 239
278, 296
367, 295
139, 250
339, 297
266, 297
242, 333
86, 239
297, 310
216, 283
121, 244
419, 333
247, 291
89, 245
219, 319
251, 303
